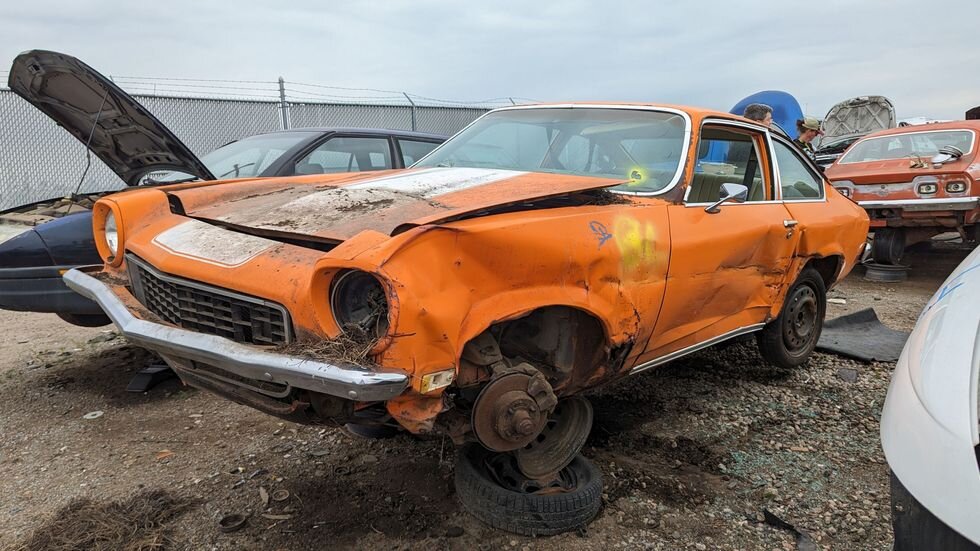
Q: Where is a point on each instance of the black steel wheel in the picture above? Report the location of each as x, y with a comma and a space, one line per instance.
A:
788, 340
493, 489
888, 246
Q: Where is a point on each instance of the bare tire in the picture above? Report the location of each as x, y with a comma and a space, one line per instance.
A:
503, 499
788, 340
85, 320
888, 246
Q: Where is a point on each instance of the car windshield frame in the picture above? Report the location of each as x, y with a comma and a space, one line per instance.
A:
623, 186
843, 160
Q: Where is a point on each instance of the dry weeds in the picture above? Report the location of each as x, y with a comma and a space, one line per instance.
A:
139, 523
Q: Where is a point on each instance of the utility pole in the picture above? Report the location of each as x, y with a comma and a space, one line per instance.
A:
413, 108
282, 104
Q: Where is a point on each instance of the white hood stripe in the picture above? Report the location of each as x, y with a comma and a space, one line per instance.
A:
434, 182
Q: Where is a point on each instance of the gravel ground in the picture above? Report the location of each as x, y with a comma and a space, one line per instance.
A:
695, 454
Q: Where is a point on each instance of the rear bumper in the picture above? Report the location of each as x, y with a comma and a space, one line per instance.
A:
41, 289
923, 205
343, 380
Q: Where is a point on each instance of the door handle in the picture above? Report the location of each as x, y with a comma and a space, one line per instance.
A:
790, 225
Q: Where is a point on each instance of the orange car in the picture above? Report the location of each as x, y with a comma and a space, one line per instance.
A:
542, 251
915, 182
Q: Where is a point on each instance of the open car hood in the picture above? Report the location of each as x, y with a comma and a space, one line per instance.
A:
857, 117
130, 140
335, 208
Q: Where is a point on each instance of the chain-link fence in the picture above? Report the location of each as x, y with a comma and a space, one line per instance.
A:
39, 160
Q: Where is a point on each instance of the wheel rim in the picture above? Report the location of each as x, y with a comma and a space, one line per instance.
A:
800, 319
503, 469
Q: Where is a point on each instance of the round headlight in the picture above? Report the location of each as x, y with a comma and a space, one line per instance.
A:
359, 304
111, 234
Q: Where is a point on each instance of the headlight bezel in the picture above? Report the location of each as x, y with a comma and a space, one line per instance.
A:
102, 213
348, 283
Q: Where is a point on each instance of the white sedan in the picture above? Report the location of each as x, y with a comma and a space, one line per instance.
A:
930, 425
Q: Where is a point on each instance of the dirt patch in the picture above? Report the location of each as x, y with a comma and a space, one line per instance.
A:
139, 523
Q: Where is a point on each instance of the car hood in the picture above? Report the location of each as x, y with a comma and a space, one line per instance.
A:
335, 208
857, 117
120, 131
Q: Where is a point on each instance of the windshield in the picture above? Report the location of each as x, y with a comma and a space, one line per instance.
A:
643, 147
245, 158
913, 144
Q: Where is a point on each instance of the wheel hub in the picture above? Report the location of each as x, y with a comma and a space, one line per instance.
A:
511, 410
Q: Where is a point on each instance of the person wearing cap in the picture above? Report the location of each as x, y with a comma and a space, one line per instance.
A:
758, 112
807, 128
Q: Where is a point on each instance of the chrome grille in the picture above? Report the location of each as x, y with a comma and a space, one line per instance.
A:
207, 309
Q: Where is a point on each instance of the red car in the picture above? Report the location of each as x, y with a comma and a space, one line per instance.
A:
914, 182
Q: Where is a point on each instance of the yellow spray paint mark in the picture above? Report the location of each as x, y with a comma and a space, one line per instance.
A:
637, 176
636, 241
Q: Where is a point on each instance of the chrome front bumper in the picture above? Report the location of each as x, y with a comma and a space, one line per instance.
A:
344, 380
924, 205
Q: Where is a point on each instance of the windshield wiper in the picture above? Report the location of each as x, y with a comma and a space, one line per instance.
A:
152, 182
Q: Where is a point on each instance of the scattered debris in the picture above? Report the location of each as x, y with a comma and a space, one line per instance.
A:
164, 454
837, 301
264, 497
93, 415
803, 540
231, 523
280, 495
847, 374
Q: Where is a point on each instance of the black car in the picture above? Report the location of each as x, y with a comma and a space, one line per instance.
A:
40, 241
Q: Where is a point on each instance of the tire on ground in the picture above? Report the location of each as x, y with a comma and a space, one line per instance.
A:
85, 320
772, 342
521, 513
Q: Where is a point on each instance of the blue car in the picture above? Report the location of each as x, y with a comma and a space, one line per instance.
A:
40, 241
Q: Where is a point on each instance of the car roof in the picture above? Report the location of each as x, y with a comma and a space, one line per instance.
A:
358, 130
693, 112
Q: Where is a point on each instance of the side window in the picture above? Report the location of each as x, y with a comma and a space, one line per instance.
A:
346, 155
796, 179
413, 150
727, 155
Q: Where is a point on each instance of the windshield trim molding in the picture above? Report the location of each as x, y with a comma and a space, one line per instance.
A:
682, 160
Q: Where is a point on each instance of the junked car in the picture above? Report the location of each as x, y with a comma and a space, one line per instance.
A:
542, 251
915, 182
56, 234
930, 424
848, 121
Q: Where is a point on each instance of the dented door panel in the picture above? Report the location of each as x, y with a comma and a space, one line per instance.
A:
725, 272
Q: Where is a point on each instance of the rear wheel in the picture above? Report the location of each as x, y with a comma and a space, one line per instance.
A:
493, 489
788, 340
85, 320
888, 246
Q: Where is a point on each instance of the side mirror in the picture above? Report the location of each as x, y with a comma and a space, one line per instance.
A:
736, 193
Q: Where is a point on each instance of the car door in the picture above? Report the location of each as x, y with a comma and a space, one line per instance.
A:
823, 229
726, 268
347, 153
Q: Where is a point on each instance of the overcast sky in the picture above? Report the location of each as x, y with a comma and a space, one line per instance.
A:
922, 55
